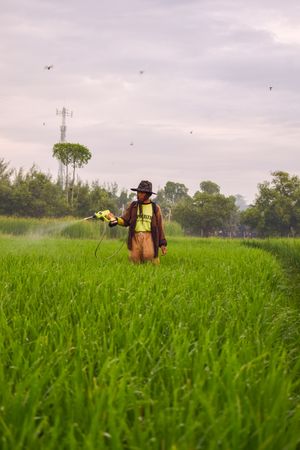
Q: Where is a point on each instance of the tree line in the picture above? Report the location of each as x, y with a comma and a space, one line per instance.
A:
36, 194
275, 211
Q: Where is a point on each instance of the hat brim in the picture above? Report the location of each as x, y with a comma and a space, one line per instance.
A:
139, 190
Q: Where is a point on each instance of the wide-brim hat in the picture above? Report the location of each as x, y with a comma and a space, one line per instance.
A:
144, 186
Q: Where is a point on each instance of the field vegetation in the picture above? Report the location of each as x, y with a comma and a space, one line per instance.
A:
69, 227
201, 352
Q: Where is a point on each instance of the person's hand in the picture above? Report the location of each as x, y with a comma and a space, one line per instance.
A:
163, 250
110, 215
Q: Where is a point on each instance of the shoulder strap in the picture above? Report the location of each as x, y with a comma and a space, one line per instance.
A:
154, 207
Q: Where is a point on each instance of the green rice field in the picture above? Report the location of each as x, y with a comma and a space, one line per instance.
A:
201, 352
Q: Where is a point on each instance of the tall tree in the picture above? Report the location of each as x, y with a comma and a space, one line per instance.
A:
207, 213
75, 155
35, 195
61, 151
175, 192
124, 199
5, 187
170, 195
100, 198
209, 187
276, 211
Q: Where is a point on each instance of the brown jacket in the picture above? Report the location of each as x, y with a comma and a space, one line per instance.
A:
157, 232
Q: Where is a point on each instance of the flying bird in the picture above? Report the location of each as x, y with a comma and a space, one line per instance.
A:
191, 132
49, 67
141, 72
131, 143
270, 87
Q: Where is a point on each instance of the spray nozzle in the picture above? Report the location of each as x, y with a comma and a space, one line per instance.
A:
105, 216
102, 215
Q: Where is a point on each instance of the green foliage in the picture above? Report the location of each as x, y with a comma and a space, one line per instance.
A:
209, 187
103, 198
35, 195
175, 191
207, 214
169, 196
276, 211
92, 230
287, 250
88, 199
204, 355
173, 229
124, 199
17, 226
76, 155
5, 187
68, 227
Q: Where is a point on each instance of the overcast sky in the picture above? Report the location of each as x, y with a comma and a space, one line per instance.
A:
201, 110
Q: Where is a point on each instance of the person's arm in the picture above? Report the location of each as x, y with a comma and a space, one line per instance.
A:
123, 221
161, 235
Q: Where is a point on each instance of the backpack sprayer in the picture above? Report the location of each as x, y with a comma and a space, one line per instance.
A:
108, 217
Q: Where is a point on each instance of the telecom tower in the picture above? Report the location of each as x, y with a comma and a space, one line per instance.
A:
63, 128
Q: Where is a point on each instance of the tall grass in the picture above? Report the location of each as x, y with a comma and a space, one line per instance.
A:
288, 250
69, 227
173, 229
198, 353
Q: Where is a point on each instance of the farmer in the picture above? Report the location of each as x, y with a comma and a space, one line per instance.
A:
144, 219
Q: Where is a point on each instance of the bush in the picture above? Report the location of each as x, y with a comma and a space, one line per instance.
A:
173, 229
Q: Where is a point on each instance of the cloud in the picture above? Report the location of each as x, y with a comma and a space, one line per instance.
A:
207, 67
